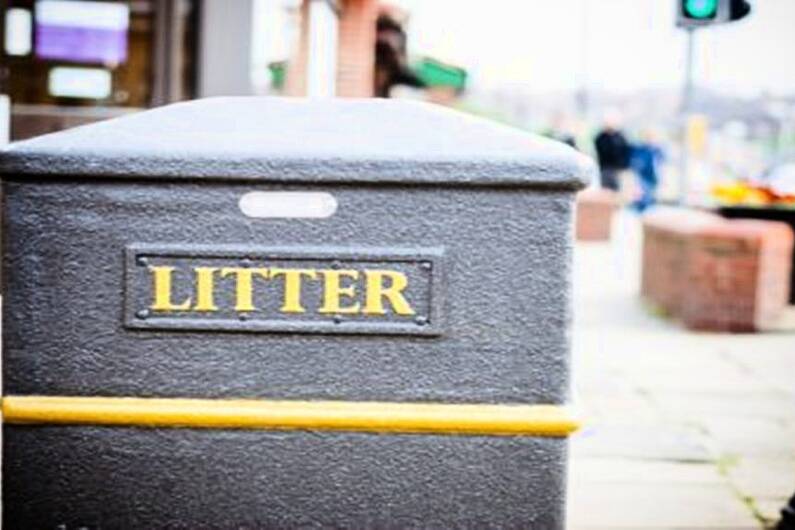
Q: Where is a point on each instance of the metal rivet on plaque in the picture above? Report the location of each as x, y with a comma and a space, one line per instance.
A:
245, 262
421, 321
142, 314
337, 319
243, 316
142, 261
336, 265
426, 265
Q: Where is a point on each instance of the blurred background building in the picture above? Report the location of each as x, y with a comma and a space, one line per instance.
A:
557, 70
68, 62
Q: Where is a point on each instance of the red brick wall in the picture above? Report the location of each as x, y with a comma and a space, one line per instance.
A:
716, 274
738, 275
356, 50
595, 209
666, 233
295, 84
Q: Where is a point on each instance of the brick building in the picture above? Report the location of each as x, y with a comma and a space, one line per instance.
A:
335, 55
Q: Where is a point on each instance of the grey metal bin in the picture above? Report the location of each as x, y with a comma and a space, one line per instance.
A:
271, 313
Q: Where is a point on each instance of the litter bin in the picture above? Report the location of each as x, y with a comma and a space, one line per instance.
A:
269, 313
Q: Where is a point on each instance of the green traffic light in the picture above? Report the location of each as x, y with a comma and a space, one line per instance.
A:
701, 8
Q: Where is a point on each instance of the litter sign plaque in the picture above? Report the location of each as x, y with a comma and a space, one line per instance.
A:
317, 290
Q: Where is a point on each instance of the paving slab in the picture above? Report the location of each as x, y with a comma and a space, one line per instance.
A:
655, 441
769, 509
763, 478
641, 505
629, 408
752, 437
769, 404
598, 471
771, 360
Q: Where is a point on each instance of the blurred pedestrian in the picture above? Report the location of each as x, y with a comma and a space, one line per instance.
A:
612, 152
645, 157
391, 58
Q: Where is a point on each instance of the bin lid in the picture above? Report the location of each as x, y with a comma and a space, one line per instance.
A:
269, 139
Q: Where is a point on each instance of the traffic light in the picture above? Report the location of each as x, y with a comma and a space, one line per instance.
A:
700, 9
698, 13
738, 9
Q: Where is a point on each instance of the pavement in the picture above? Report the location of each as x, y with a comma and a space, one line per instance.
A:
682, 430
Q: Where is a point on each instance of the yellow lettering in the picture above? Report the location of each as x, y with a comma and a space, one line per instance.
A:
161, 276
243, 289
377, 291
205, 285
333, 291
384, 289
292, 287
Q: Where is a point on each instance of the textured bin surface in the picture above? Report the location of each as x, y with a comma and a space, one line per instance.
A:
494, 205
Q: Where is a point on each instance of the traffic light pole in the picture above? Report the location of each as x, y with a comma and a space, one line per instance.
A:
686, 108
691, 15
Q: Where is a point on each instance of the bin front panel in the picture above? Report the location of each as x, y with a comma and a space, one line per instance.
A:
496, 296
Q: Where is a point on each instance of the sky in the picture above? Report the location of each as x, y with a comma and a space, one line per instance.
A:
614, 45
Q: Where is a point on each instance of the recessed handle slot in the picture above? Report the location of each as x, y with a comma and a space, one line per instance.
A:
288, 204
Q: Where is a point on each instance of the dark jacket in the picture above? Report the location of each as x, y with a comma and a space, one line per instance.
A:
612, 150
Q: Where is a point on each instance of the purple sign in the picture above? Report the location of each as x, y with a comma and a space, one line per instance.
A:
82, 32
81, 45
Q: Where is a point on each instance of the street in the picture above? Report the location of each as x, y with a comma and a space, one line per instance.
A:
682, 429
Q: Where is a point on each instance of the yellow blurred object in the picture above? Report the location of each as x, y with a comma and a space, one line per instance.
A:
697, 134
742, 193
733, 193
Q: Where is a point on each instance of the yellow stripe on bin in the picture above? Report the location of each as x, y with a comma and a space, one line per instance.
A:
379, 417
